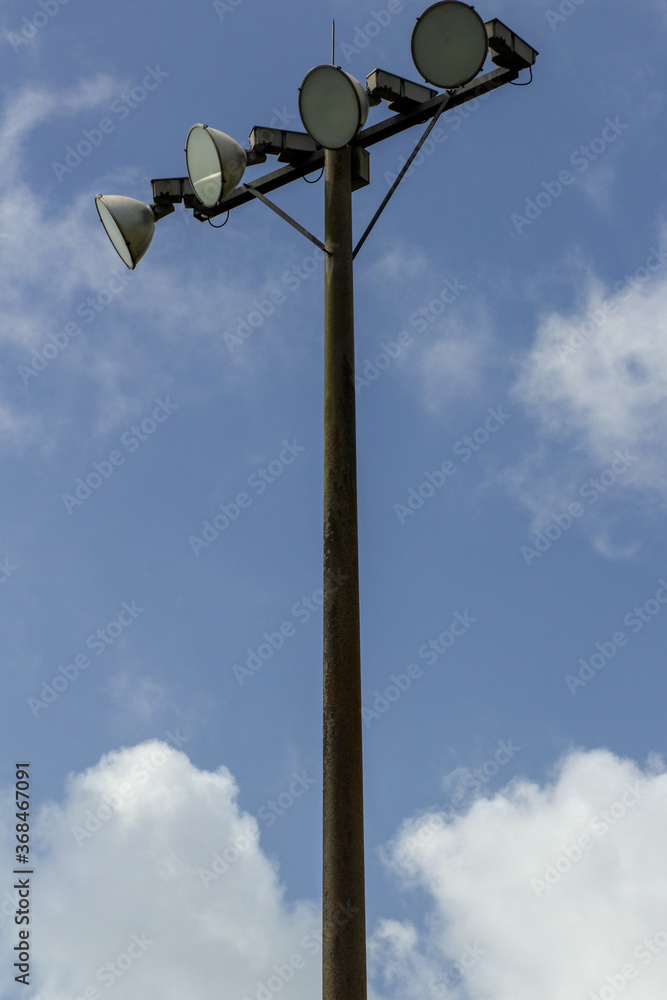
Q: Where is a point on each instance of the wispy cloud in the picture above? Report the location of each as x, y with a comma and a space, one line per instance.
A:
594, 381
114, 331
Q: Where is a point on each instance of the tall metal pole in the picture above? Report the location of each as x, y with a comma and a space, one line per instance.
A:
343, 902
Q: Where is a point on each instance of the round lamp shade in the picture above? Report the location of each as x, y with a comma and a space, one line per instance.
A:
215, 162
333, 106
449, 44
129, 224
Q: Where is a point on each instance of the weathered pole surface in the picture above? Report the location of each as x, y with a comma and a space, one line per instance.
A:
343, 903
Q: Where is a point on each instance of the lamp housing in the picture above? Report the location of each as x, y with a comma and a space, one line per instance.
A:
400, 94
333, 106
449, 44
507, 49
216, 163
129, 224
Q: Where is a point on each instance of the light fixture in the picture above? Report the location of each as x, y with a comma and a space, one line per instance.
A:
215, 163
129, 224
449, 44
507, 49
333, 106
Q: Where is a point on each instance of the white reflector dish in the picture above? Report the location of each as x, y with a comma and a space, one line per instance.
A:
215, 162
333, 106
129, 224
449, 44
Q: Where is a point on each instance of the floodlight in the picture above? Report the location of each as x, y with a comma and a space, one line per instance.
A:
215, 163
129, 224
449, 44
333, 106
507, 49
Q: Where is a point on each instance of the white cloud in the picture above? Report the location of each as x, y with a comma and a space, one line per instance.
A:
451, 334
518, 909
33, 105
16, 430
595, 381
614, 550
600, 377
125, 856
598, 183
449, 365
398, 262
138, 697
537, 891
57, 269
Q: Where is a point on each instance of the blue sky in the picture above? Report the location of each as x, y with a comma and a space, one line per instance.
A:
517, 283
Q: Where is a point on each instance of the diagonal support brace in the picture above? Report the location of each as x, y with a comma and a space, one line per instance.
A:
406, 166
283, 215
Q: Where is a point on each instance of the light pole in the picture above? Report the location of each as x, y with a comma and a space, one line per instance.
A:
450, 43
343, 944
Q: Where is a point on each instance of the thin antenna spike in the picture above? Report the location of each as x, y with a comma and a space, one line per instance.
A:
333, 43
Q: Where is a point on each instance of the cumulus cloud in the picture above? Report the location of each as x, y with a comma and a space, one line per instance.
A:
543, 892
154, 883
